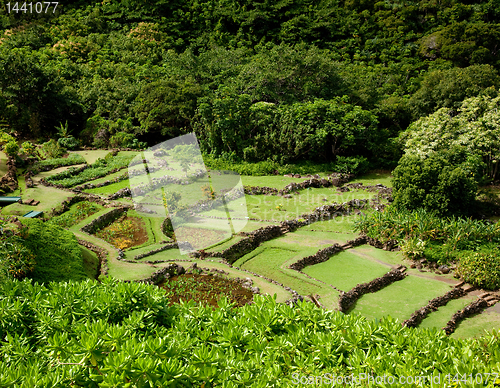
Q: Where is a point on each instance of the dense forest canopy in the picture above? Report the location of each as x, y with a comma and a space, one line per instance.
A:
120, 70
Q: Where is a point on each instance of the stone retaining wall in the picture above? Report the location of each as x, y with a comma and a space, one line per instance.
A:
419, 315
335, 179
347, 299
125, 192
103, 220
471, 309
255, 238
78, 198
319, 257
163, 274
155, 251
361, 240
101, 254
8, 183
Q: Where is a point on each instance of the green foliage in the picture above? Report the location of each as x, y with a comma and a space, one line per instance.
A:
16, 260
352, 164
114, 69
57, 254
475, 129
50, 164
28, 149
68, 142
100, 168
117, 334
481, 269
77, 213
166, 107
288, 74
422, 233
52, 150
463, 43
448, 88
435, 184
318, 130
11, 148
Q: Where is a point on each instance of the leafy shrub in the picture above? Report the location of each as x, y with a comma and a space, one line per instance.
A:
481, 269
69, 142
444, 238
28, 149
440, 253
268, 167
52, 149
352, 164
121, 139
50, 164
16, 260
11, 148
126, 334
77, 213
413, 248
100, 168
433, 183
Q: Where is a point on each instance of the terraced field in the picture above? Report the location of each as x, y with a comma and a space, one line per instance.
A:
267, 263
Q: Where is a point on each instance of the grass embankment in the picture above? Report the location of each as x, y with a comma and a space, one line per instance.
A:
346, 269
272, 258
58, 255
400, 299
90, 263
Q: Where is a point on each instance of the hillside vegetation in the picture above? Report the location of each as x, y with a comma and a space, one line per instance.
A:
288, 81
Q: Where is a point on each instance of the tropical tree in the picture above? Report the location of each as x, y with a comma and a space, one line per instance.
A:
476, 128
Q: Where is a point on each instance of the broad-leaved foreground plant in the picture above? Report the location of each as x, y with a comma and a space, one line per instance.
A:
118, 334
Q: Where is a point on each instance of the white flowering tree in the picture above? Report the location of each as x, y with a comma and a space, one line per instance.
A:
476, 128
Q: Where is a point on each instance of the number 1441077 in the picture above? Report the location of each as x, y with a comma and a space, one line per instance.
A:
40, 7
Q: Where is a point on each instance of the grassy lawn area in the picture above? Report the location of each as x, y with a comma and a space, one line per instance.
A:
374, 177
49, 198
45, 174
109, 189
340, 225
92, 155
264, 206
477, 324
401, 298
346, 269
90, 262
272, 258
440, 318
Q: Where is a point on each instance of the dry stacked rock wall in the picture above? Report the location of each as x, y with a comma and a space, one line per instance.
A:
348, 299
361, 240
255, 238
101, 254
103, 220
418, 316
155, 251
8, 183
471, 309
319, 257
163, 274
